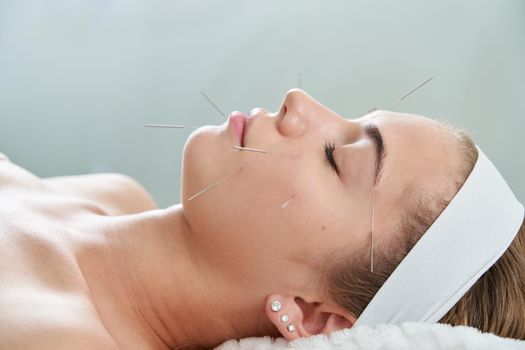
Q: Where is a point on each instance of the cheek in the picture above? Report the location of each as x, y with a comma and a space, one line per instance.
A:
255, 199
244, 213
243, 218
276, 206
324, 218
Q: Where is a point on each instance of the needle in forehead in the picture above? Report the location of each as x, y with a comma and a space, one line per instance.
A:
373, 189
372, 234
405, 95
413, 90
213, 104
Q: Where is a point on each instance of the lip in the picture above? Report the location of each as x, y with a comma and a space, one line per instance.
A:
237, 124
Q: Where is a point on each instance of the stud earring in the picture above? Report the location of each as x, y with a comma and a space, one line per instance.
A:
276, 306
284, 318
290, 328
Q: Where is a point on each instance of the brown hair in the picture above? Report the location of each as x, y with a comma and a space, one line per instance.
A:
495, 303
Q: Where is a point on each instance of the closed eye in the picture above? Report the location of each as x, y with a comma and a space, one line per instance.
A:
329, 148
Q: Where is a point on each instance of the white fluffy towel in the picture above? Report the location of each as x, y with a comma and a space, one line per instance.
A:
408, 336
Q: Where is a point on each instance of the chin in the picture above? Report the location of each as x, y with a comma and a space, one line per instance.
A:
207, 157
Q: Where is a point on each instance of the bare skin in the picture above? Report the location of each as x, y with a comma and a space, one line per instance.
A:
89, 262
60, 290
44, 298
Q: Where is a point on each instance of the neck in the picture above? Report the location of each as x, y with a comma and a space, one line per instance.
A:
152, 289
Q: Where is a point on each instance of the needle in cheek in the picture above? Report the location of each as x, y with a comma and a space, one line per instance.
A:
258, 150
285, 204
249, 149
213, 185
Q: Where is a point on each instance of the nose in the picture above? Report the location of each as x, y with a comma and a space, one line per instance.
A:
296, 111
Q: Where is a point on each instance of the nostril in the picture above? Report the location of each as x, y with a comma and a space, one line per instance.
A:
282, 113
291, 124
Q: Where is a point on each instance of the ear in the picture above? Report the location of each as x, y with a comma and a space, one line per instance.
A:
294, 317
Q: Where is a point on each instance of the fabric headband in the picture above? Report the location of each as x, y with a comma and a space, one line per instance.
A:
467, 238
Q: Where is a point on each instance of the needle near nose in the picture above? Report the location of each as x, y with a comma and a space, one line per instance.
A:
213, 104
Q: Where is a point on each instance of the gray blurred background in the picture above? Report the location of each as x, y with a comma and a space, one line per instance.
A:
80, 78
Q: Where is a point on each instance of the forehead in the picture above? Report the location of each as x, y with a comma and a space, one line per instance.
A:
413, 136
420, 154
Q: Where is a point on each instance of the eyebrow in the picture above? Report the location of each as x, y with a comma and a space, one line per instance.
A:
373, 132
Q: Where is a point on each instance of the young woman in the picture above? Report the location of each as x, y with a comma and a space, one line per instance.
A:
89, 262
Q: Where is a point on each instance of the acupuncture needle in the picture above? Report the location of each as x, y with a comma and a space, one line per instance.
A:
257, 150
212, 185
373, 191
171, 126
372, 233
214, 105
412, 91
249, 149
285, 204
405, 95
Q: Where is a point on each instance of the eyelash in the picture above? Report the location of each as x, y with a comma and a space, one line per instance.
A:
329, 148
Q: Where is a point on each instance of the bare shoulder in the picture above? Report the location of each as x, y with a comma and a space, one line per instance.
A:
58, 341
37, 318
117, 194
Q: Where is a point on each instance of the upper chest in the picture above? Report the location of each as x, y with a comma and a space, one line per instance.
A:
43, 296
37, 227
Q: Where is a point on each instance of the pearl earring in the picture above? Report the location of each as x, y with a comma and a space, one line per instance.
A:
276, 306
284, 318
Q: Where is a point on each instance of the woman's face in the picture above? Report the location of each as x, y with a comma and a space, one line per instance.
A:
284, 210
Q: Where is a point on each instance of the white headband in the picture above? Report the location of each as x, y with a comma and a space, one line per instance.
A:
467, 238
